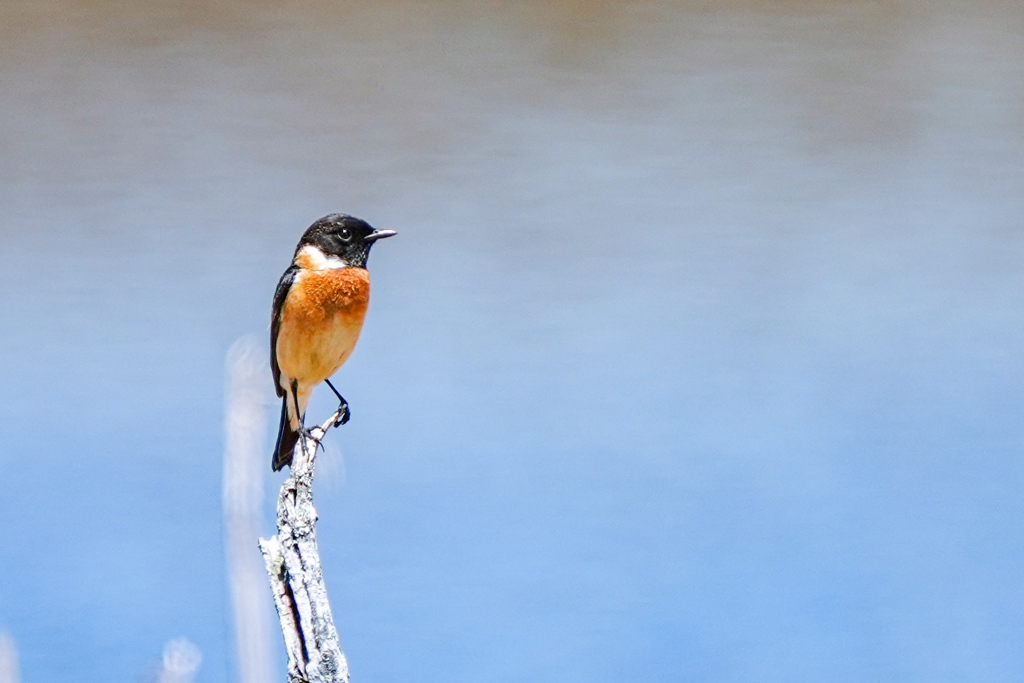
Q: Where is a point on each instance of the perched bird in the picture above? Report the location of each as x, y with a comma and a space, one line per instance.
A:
319, 307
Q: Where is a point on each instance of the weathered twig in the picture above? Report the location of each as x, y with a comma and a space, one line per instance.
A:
293, 563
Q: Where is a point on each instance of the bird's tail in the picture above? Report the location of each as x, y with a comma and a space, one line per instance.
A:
286, 439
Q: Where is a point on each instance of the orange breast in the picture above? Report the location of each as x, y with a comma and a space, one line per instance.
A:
320, 322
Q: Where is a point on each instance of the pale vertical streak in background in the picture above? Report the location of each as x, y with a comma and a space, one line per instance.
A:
9, 672
244, 463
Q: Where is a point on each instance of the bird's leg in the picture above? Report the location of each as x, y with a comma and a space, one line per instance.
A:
308, 434
303, 432
343, 412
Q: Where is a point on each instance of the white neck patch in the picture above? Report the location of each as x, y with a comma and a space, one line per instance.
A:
312, 258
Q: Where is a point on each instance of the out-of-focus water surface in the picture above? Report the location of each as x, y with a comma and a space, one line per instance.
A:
698, 355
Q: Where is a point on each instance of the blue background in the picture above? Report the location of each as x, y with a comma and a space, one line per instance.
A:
697, 356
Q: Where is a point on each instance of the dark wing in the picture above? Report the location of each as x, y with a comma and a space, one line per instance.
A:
283, 287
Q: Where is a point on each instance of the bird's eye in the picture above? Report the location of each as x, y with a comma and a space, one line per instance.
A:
346, 234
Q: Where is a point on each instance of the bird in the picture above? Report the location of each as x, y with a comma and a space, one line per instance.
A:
319, 306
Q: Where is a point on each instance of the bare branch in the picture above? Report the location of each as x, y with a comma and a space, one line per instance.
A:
293, 564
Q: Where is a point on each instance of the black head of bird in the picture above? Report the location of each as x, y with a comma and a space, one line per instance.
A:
343, 237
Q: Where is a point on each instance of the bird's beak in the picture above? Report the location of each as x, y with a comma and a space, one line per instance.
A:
379, 235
